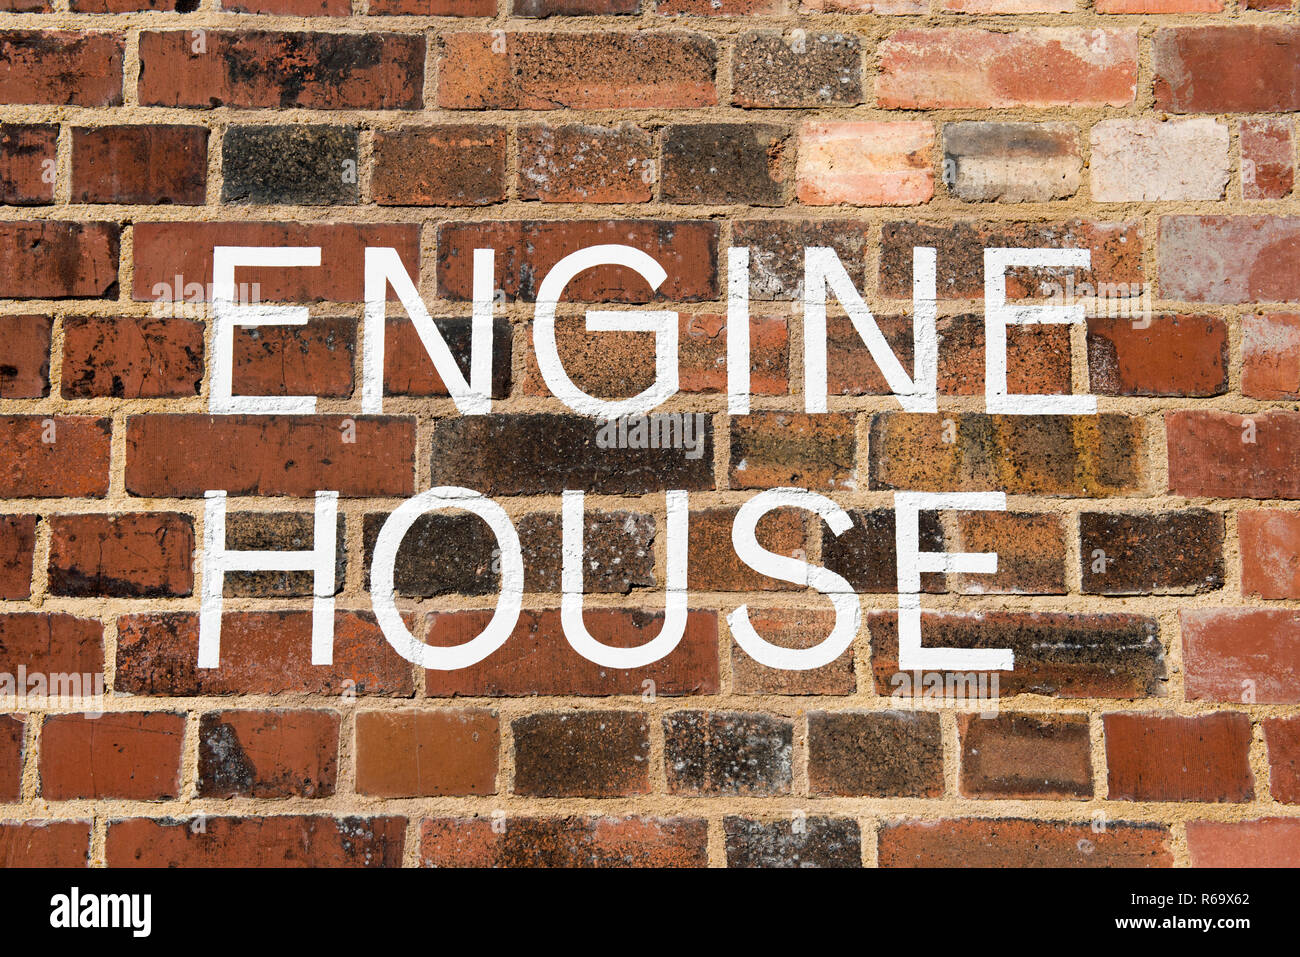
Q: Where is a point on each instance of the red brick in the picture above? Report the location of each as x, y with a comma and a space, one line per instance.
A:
268, 754
1115, 250
564, 842
1242, 654
1159, 6
961, 68
1267, 157
279, 841
1098, 455
52, 260
76, 68
141, 165
1223, 455
45, 844
1170, 758
547, 71
185, 455
17, 545
462, 165
164, 251
573, 8
25, 370
527, 250
435, 8
1030, 548
791, 628
134, 755
408, 370
713, 564
537, 659
50, 643
1270, 553
582, 754
315, 359
1282, 735
27, 164
73, 465
579, 163
1227, 69
26, 6
131, 358
1057, 654
1270, 356
263, 652
1230, 259
1025, 756
260, 69
720, 8
1173, 356
782, 449
291, 8
980, 842
136, 555
426, 753
1266, 842
11, 757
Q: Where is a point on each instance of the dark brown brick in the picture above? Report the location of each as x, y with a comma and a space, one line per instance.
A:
800, 842
455, 165
17, 546
776, 252
768, 71
580, 163
1025, 756
875, 754
582, 754
1166, 553
728, 752
282, 532
564, 842
782, 449
724, 163
293, 165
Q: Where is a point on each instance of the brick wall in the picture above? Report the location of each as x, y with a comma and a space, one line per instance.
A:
1149, 578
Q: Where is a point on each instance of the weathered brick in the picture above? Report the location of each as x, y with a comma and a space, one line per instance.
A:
527, 250
1161, 553
129, 358
1266, 842
434, 8
279, 531
1159, 6
791, 628
1025, 756
542, 453
781, 449
45, 844
287, 840
538, 660
261, 653
1009, 6
583, 163
986, 162
451, 165
27, 164
1115, 249
140, 165
17, 546
254, 69
312, 359
1220, 454
25, 369
1230, 259
724, 163
728, 753
713, 564
186, 455
880, 7
582, 754
965, 68
1013, 842
1136, 160
293, 165
1282, 736
803, 842
719, 8
564, 842
290, 8
54, 457
1057, 654
865, 555
865, 163
776, 252
1097, 456
75, 68
1267, 157
12, 752
1227, 69
548, 71
1242, 655
268, 754
1270, 552
133, 555
164, 251
1165, 356
1030, 547
53, 260
134, 755
51, 643
1270, 356
408, 370
1171, 758
426, 753
771, 70
574, 8
875, 754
